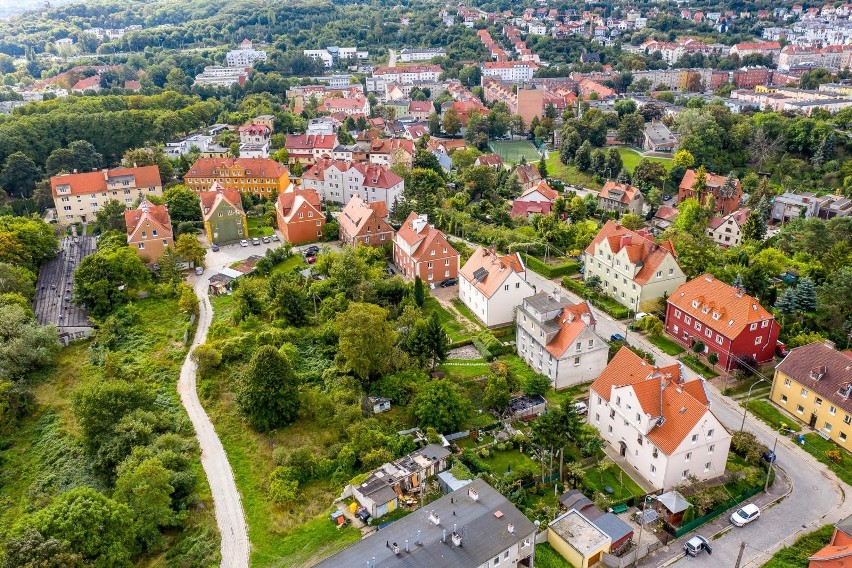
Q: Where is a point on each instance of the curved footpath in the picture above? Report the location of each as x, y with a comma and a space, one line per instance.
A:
226, 499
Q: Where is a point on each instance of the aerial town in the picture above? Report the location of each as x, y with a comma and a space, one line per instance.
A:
503, 284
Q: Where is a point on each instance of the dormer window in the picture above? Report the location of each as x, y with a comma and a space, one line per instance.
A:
694, 303
716, 316
705, 310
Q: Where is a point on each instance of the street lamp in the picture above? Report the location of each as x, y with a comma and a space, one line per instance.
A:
645, 500
745, 406
773, 456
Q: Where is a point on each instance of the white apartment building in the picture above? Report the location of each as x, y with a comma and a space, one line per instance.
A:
660, 424
558, 340
332, 54
727, 231
182, 147
492, 286
410, 54
511, 71
245, 56
215, 76
338, 182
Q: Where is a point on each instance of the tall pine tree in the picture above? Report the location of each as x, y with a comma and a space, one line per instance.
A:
806, 296
786, 304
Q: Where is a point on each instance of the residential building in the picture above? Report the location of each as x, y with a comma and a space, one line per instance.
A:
364, 223
419, 249
92, 83
409, 54
528, 176
789, 206
401, 75
838, 552
79, 196
660, 423
420, 110
307, 148
491, 160
492, 286
255, 133
300, 217
656, 137
577, 539
814, 383
535, 200
338, 182
619, 532
348, 106
178, 148
380, 491
245, 56
511, 71
620, 198
766, 48
149, 230
836, 205
472, 527
260, 176
558, 340
725, 319
216, 76
727, 231
727, 191
632, 268
664, 217
223, 214
333, 54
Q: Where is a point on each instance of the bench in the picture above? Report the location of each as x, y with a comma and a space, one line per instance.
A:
619, 509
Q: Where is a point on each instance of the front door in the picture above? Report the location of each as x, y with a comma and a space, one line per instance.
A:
812, 422
623, 448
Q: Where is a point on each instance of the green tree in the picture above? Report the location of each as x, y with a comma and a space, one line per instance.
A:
496, 394
583, 157
103, 280
542, 167
425, 188
806, 295
366, 340
92, 525
25, 346
99, 407
683, 159
111, 217
207, 357
184, 204
140, 157
16, 280
189, 249
170, 267
613, 163
269, 390
630, 128
440, 405
451, 122
434, 124
146, 490
80, 155
32, 550
786, 304
288, 300
428, 342
19, 175
755, 227
535, 384
419, 292
26, 242
632, 221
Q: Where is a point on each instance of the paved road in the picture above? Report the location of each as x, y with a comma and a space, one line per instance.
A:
817, 496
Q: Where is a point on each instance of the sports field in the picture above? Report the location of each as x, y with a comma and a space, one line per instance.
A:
511, 151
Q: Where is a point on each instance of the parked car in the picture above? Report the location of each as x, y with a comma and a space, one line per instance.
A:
641, 315
310, 259
214, 247
449, 282
311, 250
745, 515
616, 337
580, 407
390, 271
781, 349
362, 514
695, 545
769, 456
255, 241
199, 270
243, 243
275, 238
266, 240
667, 197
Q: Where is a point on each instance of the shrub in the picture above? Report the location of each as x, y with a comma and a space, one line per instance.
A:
486, 354
834, 455
283, 488
551, 271
746, 445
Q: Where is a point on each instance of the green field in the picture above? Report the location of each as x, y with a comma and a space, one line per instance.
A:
512, 151
569, 174
631, 158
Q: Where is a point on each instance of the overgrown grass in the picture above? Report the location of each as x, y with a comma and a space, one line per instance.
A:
465, 372
607, 304
466, 312
455, 330
256, 230
796, 555
696, 365
819, 447
295, 262
631, 158
500, 462
567, 395
622, 484
766, 411
665, 344
547, 557
569, 174
551, 270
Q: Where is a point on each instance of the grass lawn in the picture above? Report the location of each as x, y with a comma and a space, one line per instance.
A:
518, 369
818, 448
547, 557
513, 150
500, 462
567, 395
766, 411
665, 344
742, 388
622, 484
569, 174
696, 365
465, 311
257, 230
455, 330
797, 554
465, 372
631, 158
294, 262
223, 306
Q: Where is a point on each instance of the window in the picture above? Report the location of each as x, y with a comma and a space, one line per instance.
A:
698, 326
141, 245
618, 400
711, 448
675, 329
610, 429
787, 383
764, 323
719, 339
496, 560
818, 401
591, 343
784, 398
506, 554
655, 453
800, 409
842, 437
804, 393
319, 223
687, 320
576, 361
758, 340
612, 413
827, 427
154, 232
638, 417
752, 327
694, 438
597, 417
832, 410
526, 542
677, 314
710, 433
684, 474
847, 419
653, 469
671, 271
708, 332
687, 457
506, 287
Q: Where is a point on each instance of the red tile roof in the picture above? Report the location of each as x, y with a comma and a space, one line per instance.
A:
419, 235
527, 173
94, 182
357, 215
640, 248
254, 167
739, 217
310, 141
571, 325
289, 201
157, 214
821, 369
210, 199
88, 83
545, 190
621, 192
527, 208
497, 269
718, 305
375, 175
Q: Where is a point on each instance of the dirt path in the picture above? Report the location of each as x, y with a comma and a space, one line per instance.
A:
226, 499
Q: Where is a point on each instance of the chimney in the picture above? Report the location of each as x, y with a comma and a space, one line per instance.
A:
472, 493
625, 240
434, 519
587, 319
511, 528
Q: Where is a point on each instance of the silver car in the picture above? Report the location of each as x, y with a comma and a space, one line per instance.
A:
695, 545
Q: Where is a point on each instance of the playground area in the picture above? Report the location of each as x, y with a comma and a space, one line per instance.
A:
512, 151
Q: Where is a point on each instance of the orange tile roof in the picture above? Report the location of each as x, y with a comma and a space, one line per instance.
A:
718, 305
544, 189
831, 552
419, 234
497, 269
571, 325
254, 167
95, 182
357, 215
209, 199
621, 192
527, 173
640, 247
157, 214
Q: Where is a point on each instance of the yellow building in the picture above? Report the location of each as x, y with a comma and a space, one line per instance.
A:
577, 540
813, 384
261, 176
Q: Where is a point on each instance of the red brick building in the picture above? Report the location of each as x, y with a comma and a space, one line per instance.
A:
728, 193
300, 219
727, 320
419, 249
364, 223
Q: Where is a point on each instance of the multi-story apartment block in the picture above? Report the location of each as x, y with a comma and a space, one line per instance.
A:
632, 268
511, 71
333, 54
223, 214
255, 133
813, 384
349, 106
492, 286
245, 56
767, 48
727, 191
403, 75
260, 176
215, 76
620, 198
409, 54
307, 148
660, 423
338, 182
558, 340
300, 218
79, 196
727, 231
419, 249
149, 230
365, 223
725, 319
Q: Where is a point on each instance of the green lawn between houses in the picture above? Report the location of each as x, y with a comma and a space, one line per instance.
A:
569, 174
797, 554
665, 345
631, 158
257, 229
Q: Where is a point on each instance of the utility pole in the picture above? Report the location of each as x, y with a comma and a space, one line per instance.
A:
740, 555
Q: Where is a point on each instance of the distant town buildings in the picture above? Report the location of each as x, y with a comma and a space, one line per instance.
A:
245, 55
410, 54
214, 76
331, 55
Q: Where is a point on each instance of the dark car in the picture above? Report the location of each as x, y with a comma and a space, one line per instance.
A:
449, 282
769, 456
616, 337
214, 247
695, 545
362, 514
311, 250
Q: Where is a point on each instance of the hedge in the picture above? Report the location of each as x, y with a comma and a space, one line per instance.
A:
486, 354
548, 270
607, 304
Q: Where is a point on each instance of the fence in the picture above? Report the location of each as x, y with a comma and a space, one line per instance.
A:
697, 522
612, 561
457, 435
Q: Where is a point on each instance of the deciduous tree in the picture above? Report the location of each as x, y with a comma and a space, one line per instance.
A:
366, 340
440, 405
269, 391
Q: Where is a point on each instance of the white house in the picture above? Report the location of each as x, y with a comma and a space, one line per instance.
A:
727, 231
558, 340
338, 181
510, 71
660, 424
492, 286
245, 56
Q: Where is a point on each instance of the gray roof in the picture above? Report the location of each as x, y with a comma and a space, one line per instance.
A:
845, 525
659, 133
522, 403
484, 534
379, 489
453, 482
674, 501
614, 527
544, 302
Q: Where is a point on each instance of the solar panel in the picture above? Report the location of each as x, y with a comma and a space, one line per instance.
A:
480, 274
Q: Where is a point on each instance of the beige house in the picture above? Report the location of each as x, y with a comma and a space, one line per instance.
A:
577, 539
620, 198
727, 231
632, 268
79, 196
